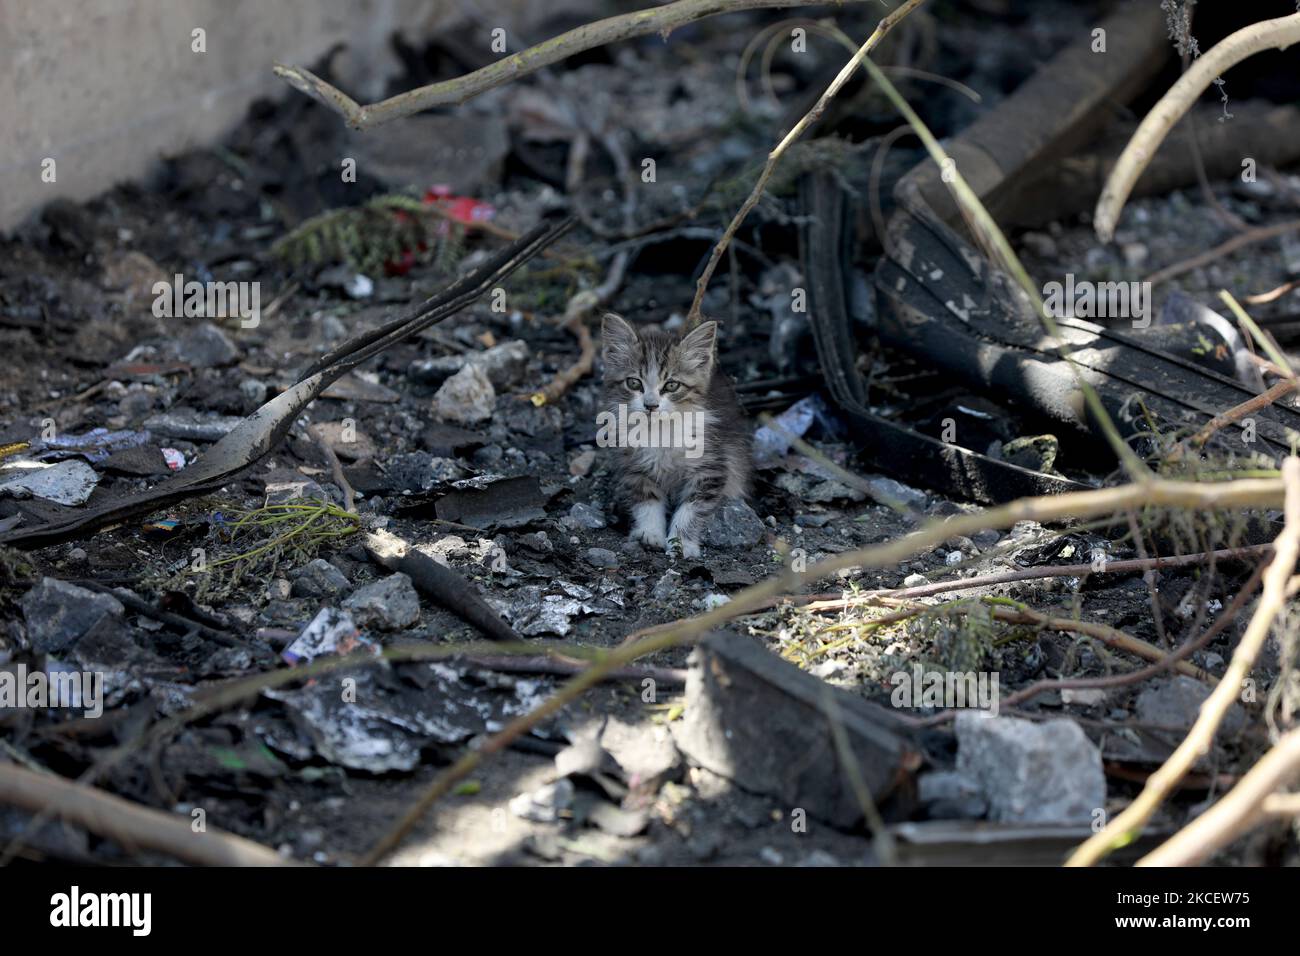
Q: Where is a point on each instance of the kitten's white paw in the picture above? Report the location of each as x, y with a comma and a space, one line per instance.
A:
690, 548
649, 537
648, 521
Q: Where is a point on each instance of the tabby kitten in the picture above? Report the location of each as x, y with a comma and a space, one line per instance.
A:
656, 375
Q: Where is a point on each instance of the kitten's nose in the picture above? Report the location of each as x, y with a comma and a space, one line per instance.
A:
650, 403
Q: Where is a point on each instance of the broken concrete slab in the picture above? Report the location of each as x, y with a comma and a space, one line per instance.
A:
767, 726
1031, 772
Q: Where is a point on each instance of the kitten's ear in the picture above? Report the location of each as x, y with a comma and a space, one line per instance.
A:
617, 339
696, 350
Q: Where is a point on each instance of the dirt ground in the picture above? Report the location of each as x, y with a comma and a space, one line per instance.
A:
85, 350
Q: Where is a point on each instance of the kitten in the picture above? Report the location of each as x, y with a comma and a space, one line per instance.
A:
674, 380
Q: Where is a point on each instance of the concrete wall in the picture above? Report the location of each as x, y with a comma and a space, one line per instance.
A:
107, 88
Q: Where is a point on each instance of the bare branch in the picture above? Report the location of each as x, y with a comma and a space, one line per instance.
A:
1227, 53
130, 824
1242, 808
662, 20
1161, 783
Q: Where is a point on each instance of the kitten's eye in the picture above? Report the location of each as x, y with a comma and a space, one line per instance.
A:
672, 385
634, 384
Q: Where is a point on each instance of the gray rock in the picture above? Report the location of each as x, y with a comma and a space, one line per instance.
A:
538, 541
1031, 772
949, 795
545, 804
820, 859
206, 346
59, 614
667, 585
318, 578
420, 471
895, 491
466, 398
1177, 703
832, 490
584, 516
812, 520
760, 722
602, 558
253, 390
734, 525
503, 364
1040, 244
389, 604
284, 486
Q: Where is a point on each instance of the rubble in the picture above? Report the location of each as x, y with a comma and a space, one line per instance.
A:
206, 346
734, 525
583, 515
761, 722
58, 614
466, 398
1176, 702
68, 482
484, 508
190, 427
389, 604
318, 579
503, 365
602, 558
1031, 772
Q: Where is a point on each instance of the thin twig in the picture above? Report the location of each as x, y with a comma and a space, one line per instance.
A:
336, 468
887, 23
1187, 649
1247, 238
824, 602
1232, 415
